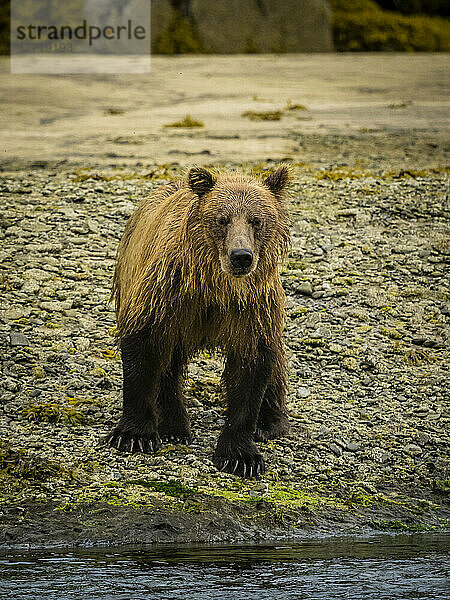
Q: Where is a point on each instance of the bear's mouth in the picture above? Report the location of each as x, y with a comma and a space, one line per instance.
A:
240, 272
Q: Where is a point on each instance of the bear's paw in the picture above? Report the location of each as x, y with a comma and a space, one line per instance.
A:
272, 431
128, 441
244, 461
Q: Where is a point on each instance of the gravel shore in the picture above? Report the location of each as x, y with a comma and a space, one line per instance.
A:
367, 338
367, 303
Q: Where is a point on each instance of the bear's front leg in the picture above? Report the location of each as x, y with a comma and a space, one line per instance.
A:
245, 383
273, 421
142, 367
173, 423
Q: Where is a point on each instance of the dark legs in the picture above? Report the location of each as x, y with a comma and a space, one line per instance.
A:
173, 423
245, 385
153, 406
142, 366
152, 397
273, 421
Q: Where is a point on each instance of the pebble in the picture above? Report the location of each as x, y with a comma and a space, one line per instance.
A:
335, 449
380, 455
303, 392
413, 449
321, 332
324, 430
347, 212
423, 438
352, 446
16, 338
305, 288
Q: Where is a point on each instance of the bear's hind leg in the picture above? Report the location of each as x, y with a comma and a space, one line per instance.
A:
142, 366
273, 421
173, 423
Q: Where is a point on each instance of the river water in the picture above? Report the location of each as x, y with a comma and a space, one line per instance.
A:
377, 567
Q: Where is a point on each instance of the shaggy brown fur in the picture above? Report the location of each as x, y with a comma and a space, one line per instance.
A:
177, 289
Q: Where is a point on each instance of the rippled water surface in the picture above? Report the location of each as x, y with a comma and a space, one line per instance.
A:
382, 567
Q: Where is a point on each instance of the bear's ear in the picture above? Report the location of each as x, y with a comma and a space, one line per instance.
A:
200, 181
277, 181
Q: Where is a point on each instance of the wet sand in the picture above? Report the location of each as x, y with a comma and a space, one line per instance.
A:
69, 118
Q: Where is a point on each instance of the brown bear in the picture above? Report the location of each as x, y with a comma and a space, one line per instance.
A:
197, 267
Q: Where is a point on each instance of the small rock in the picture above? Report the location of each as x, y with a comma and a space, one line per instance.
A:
348, 212
55, 306
37, 274
125, 209
321, 332
303, 392
423, 438
317, 294
335, 449
92, 226
352, 446
413, 450
350, 363
12, 314
338, 313
369, 363
305, 288
432, 343
335, 348
445, 311
10, 384
340, 442
82, 343
18, 339
324, 430
380, 455
194, 402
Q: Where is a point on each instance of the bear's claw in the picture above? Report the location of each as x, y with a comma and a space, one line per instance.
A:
244, 467
133, 443
176, 439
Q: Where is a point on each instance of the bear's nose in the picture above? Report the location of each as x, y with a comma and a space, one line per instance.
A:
241, 258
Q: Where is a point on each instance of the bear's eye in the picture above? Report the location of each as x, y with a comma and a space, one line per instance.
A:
256, 222
222, 221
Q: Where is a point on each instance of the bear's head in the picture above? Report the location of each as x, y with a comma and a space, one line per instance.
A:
243, 219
